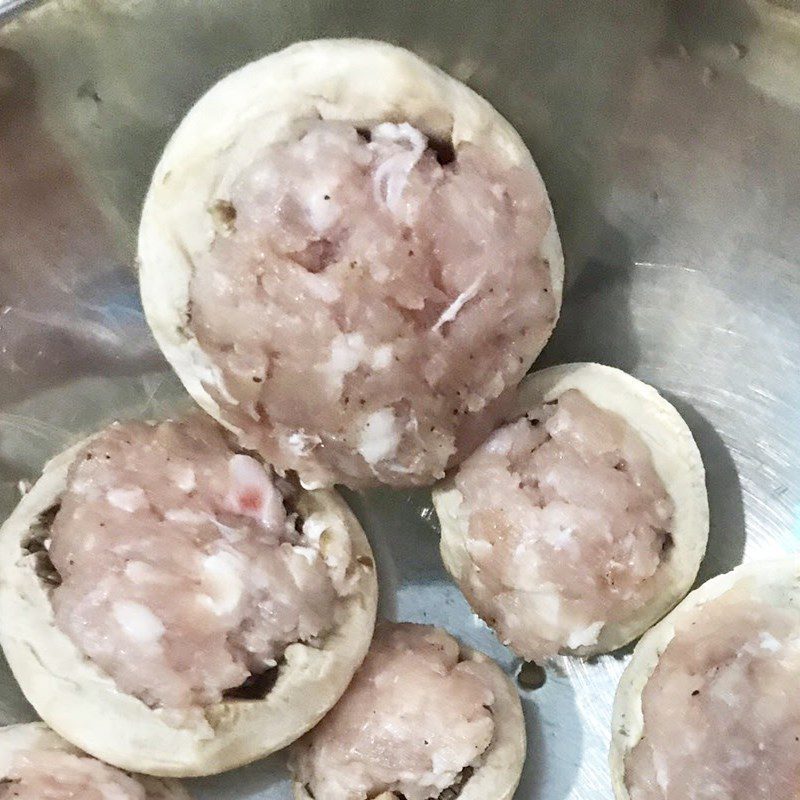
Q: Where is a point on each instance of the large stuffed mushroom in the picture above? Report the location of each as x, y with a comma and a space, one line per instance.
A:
350, 260
170, 606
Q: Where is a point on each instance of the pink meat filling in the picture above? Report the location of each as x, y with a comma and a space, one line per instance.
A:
54, 775
365, 307
721, 717
568, 521
413, 719
181, 572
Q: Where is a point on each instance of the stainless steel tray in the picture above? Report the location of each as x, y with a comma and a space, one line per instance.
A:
669, 137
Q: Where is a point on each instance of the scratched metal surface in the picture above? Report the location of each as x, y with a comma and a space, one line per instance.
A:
669, 136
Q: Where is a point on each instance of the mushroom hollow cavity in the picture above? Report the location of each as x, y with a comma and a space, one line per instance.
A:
422, 719
366, 293
560, 526
160, 582
717, 714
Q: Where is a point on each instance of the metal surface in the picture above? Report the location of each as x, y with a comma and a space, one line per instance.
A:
669, 136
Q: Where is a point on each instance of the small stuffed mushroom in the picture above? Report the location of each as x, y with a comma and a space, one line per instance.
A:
708, 706
171, 607
423, 718
350, 260
580, 523
36, 763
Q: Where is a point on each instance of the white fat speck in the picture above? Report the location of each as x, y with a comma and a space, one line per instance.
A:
308, 553
379, 436
321, 213
441, 762
184, 516
185, 479
222, 578
500, 442
586, 636
379, 271
451, 312
404, 132
562, 538
662, 774
23, 487
769, 642
382, 357
391, 176
301, 443
549, 607
142, 572
314, 526
324, 289
138, 622
475, 403
348, 350
478, 622
664, 509
129, 500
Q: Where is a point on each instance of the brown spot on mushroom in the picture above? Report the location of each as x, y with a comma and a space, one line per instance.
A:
223, 213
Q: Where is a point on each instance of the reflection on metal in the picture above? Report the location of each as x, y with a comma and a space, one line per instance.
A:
668, 134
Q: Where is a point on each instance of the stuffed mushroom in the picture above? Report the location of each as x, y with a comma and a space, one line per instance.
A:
577, 525
170, 606
36, 763
350, 260
707, 707
423, 718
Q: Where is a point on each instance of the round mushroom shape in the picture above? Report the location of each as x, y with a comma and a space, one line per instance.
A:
382, 738
357, 345
84, 704
665, 458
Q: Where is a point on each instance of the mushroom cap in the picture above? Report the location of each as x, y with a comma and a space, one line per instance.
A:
268, 101
676, 460
84, 705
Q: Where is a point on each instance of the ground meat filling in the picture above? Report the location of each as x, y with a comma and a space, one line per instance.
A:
55, 775
414, 721
721, 716
568, 522
182, 575
365, 306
